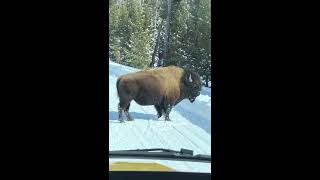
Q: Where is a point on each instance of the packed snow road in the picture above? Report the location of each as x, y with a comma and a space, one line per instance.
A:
146, 131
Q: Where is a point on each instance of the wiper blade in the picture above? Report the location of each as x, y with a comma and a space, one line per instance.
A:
161, 154
182, 151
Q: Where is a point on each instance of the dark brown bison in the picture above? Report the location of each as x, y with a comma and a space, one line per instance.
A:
162, 87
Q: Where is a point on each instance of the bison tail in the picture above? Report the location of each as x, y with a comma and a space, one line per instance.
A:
118, 80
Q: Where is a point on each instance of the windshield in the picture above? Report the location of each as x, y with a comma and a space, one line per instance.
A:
160, 78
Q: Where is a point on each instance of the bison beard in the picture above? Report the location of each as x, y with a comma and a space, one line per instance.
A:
161, 87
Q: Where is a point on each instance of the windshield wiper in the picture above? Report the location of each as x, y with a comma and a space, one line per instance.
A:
161, 154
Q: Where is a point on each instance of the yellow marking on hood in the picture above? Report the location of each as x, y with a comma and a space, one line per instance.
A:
126, 166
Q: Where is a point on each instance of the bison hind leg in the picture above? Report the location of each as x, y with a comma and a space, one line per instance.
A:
126, 111
120, 113
124, 106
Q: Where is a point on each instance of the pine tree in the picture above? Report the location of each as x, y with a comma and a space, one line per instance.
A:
176, 32
138, 43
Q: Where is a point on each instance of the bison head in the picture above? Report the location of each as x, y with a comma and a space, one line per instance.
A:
193, 85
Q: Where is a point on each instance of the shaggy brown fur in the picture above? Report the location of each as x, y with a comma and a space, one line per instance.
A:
162, 87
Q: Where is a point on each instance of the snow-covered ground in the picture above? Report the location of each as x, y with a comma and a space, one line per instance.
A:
190, 127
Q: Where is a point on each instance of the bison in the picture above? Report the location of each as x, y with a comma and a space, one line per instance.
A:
162, 87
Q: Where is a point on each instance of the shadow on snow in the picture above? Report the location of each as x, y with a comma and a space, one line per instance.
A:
113, 116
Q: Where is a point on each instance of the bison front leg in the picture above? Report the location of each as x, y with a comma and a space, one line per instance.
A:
168, 109
159, 110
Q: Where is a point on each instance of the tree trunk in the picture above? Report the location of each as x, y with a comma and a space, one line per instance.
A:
197, 5
207, 82
172, 6
175, 5
166, 39
157, 37
117, 56
156, 47
160, 56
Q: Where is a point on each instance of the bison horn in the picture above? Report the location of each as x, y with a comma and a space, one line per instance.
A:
190, 79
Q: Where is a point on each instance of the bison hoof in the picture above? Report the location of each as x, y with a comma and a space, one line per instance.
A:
121, 121
167, 119
130, 119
